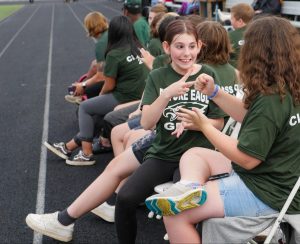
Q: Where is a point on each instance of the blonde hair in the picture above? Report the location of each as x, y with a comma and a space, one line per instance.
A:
159, 8
95, 24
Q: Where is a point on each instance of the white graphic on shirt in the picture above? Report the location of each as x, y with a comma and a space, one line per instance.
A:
294, 120
132, 58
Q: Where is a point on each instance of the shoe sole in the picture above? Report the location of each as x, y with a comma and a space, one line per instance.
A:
32, 224
103, 216
167, 206
80, 163
55, 151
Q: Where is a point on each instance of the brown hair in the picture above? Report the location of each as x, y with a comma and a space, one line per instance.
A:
270, 59
95, 23
195, 19
216, 45
154, 24
177, 27
242, 11
159, 8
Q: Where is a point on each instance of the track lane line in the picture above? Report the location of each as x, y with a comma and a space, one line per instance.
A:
17, 33
40, 200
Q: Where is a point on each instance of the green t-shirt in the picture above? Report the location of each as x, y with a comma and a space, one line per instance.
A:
270, 132
130, 74
237, 40
142, 31
165, 146
161, 61
155, 48
226, 76
100, 47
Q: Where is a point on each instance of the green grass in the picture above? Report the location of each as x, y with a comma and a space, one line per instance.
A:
6, 10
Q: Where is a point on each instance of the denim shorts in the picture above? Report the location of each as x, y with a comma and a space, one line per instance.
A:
239, 200
140, 147
134, 123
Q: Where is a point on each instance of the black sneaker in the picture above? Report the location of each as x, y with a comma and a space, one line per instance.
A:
59, 149
81, 159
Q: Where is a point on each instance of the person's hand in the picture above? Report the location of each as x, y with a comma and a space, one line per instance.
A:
79, 90
135, 113
147, 58
205, 84
179, 130
179, 87
193, 119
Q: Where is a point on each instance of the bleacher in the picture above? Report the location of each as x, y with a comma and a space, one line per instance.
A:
291, 9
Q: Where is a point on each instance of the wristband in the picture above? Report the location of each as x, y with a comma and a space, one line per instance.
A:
214, 93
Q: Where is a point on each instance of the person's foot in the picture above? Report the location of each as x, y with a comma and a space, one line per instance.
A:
98, 147
73, 99
59, 148
48, 224
105, 211
176, 199
80, 159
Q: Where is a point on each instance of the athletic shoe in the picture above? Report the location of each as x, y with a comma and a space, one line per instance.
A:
99, 148
48, 224
163, 187
80, 159
59, 149
105, 211
176, 199
73, 99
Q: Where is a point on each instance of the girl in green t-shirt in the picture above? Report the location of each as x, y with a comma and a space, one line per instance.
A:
263, 163
124, 75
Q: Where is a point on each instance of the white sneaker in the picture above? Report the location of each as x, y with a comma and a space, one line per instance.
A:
105, 211
48, 224
73, 99
80, 159
163, 187
176, 199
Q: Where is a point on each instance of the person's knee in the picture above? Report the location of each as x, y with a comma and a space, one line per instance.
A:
126, 199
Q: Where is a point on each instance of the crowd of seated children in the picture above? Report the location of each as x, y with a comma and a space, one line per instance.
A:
125, 76
163, 156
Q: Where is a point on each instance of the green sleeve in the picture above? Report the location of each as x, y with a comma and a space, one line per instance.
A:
111, 66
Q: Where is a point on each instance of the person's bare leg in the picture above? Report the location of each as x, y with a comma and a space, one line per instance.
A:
118, 169
117, 137
87, 148
133, 136
181, 227
197, 164
71, 145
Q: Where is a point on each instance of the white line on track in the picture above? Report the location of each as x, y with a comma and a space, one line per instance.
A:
40, 201
17, 33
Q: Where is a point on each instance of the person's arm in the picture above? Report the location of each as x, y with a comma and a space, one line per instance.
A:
225, 144
231, 105
109, 85
97, 77
152, 113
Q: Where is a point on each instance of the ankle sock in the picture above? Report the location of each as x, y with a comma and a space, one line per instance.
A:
112, 199
64, 218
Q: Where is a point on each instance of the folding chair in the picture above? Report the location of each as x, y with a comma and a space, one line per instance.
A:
243, 229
